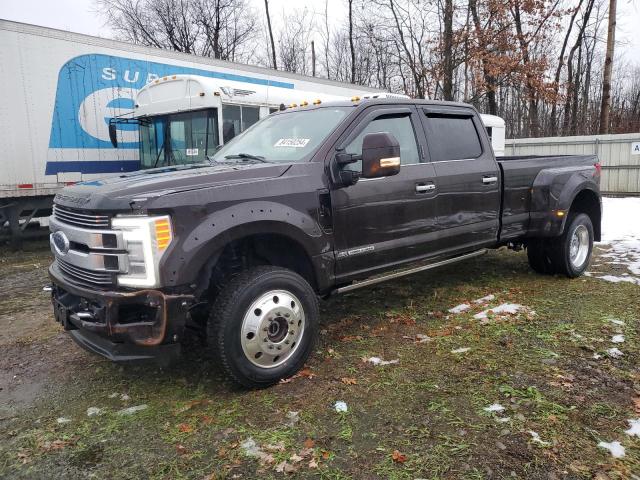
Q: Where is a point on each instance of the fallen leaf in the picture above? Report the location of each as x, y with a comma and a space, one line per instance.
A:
309, 443
636, 404
206, 419
350, 338
313, 463
181, 449
398, 457
295, 458
325, 455
306, 372
349, 381
185, 428
285, 467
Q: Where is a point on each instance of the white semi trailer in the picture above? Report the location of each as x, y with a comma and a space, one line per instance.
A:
61, 92
60, 89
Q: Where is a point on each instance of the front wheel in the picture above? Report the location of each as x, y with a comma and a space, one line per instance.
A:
263, 325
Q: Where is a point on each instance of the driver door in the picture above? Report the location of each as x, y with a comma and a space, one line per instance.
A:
385, 221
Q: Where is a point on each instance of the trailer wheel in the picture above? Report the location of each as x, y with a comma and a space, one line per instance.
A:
538, 255
263, 325
572, 250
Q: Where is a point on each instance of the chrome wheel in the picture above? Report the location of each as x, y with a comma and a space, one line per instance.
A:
272, 328
579, 246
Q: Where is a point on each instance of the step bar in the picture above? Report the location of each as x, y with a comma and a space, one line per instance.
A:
410, 271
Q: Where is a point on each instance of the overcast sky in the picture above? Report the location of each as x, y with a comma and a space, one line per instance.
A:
79, 16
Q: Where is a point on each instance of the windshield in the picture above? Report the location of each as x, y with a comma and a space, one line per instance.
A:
178, 139
287, 137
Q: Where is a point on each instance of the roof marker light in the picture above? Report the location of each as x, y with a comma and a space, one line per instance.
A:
293, 105
317, 101
304, 103
355, 99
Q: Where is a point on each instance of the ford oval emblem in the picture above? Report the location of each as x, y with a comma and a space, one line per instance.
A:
60, 242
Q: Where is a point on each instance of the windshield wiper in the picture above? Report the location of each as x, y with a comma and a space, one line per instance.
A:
247, 156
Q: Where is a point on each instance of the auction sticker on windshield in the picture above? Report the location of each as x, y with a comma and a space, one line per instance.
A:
292, 142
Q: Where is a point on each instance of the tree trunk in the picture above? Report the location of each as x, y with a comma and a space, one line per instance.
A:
553, 130
608, 65
273, 45
447, 60
351, 47
313, 59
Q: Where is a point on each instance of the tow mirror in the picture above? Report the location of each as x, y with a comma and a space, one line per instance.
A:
112, 134
380, 155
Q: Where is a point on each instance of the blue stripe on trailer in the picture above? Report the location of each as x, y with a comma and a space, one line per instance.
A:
96, 166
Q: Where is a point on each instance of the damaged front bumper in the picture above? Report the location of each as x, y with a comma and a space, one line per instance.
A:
121, 325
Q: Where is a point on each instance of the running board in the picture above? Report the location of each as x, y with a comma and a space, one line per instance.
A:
410, 271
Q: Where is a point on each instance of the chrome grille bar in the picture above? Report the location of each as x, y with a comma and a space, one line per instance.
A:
85, 276
72, 217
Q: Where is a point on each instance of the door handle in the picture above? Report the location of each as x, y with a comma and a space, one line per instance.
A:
489, 179
420, 188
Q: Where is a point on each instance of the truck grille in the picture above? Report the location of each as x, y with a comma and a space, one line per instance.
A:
84, 220
85, 276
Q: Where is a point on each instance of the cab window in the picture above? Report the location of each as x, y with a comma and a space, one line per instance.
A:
399, 126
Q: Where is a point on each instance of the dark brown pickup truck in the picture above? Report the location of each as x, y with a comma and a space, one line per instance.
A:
306, 203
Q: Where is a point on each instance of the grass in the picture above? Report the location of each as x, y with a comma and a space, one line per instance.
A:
420, 418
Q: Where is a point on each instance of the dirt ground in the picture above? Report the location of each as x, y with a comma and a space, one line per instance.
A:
527, 393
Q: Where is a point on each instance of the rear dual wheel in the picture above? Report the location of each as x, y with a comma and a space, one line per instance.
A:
263, 325
569, 254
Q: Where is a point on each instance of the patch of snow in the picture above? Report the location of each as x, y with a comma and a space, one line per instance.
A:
614, 353
634, 428
134, 409
597, 356
461, 350
422, 338
341, 406
617, 339
503, 419
379, 362
535, 437
615, 321
251, 449
460, 308
495, 407
616, 449
622, 235
510, 308
93, 411
63, 420
292, 418
614, 279
486, 299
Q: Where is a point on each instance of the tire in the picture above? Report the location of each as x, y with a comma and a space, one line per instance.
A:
263, 325
571, 251
538, 255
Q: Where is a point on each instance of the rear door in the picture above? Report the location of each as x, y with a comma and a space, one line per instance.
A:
390, 220
468, 178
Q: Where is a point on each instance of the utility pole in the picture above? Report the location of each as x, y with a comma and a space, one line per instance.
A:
608, 67
313, 59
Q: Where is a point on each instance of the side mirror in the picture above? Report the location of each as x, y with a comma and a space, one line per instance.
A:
380, 155
112, 134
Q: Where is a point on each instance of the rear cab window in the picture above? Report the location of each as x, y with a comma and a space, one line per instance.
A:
452, 136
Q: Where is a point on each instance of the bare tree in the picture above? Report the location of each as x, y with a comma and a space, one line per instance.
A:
351, 47
608, 64
214, 28
273, 45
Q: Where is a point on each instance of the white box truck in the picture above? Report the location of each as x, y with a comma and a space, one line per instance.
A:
60, 89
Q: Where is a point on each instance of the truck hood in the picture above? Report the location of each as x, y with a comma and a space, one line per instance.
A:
122, 191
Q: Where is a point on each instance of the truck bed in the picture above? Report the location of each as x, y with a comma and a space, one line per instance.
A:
519, 174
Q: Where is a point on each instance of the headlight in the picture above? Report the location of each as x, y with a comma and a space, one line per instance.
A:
146, 239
